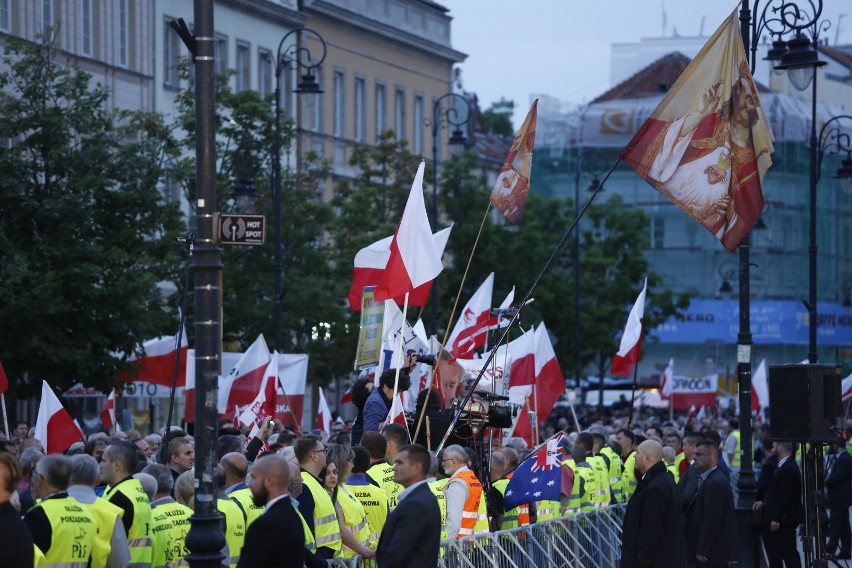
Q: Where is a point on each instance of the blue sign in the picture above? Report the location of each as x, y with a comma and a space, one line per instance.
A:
772, 322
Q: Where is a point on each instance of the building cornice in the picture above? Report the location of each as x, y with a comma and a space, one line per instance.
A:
269, 11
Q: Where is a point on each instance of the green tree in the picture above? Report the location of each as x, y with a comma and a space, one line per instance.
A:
86, 234
498, 120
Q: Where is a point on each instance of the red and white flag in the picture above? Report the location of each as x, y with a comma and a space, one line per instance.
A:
691, 412
521, 353
396, 415
323, 414
414, 257
263, 404
702, 412
465, 337
500, 321
846, 388
631, 342
158, 364
666, 382
372, 260
108, 413
760, 391
54, 426
4, 382
242, 384
346, 396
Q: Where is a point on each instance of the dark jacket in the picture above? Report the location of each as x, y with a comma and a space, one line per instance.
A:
783, 500
15, 539
687, 485
653, 523
412, 532
838, 481
376, 410
276, 538
711, 522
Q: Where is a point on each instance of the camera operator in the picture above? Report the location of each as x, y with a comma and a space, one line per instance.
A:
379, 402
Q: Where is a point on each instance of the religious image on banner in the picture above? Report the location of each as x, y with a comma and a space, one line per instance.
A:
707, 145
513, 183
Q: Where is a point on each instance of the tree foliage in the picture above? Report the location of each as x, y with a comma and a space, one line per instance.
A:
85, 230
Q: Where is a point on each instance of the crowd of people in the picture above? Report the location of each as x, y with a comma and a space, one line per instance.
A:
304, 499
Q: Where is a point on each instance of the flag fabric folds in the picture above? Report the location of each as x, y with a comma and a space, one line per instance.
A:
666, 383
631, 341
760, 391
323, 414
538, 477
108, 412
263, 404
512, 185
371, 261
4, 381
243, 383
707, 145
54, 426
475, 315
414, 258
158, 364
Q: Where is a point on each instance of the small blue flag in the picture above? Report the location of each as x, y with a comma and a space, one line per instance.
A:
538, 478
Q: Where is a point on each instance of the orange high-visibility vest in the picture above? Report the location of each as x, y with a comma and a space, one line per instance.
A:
470, 511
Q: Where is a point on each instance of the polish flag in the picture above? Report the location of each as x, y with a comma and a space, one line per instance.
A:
522, 366
631, 342
497, 322
54, 426
474, 317
396, 415
666, 383
691, 412
4, 382
108, 413
549, 381
371, 261
702, 412
323, 414
243, 383
263, 404
846, 388
158, 364
414, 258
346, 396
760, 391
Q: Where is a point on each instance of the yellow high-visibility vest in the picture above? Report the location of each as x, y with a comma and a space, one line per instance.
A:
382, 473
73, 532
179, 516
243, 498
375, 503
105, 514
138, 538
355, 518
326, 529
235, 528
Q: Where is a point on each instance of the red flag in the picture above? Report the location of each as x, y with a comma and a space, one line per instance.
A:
4, 382
371, 261
631, 342
396, 415
54, 426
242, 384
347, 396
323, 414
158, 364
108, 413
708, 144
549, 381
513, 183
263, 404
474, 317
414, 258
522, 365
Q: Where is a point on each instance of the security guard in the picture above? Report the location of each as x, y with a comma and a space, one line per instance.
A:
372, 498
464, 493
314, 502
380, 472
177, 514
614, 473
589, 486
731, 446
627, 439
501, 462
62, 529
118, 463
236, 467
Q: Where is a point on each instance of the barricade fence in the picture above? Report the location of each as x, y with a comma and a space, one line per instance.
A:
590, 539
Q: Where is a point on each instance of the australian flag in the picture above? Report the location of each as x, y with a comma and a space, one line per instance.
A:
538, 477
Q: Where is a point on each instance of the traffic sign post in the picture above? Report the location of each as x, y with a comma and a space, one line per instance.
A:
235, 229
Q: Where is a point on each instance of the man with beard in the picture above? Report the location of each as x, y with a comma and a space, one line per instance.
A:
272, 539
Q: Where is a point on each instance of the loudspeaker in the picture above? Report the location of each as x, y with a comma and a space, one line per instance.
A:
804, 402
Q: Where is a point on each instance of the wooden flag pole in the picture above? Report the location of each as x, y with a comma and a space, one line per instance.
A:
633, 391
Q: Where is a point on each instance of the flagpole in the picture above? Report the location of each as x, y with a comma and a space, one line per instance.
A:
633, 393
5, 416
526, 298
399, 349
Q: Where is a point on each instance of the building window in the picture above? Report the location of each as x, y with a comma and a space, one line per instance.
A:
312, 106
381, 110
243, 67
86, 27
46, 15
171, 57
399, 113
360, 110
658, 232
339, 104
123, 34
5, 16
220, 54
264, 72
418, 125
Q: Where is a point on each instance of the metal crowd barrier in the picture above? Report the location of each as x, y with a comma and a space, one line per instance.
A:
591, 539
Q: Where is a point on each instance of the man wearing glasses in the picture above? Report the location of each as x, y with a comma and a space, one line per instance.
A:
315, 504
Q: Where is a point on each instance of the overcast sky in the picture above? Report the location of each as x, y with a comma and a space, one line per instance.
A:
562, 47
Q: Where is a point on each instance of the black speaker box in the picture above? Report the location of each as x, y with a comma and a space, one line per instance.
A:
804, 402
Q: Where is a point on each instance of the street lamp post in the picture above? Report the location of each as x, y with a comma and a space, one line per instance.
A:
300, 56
455, 115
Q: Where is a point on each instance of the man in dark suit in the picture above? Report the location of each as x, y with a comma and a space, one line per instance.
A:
16, 542
782, 509
276, 537
711, 538
652, 529
412, 533
838, 485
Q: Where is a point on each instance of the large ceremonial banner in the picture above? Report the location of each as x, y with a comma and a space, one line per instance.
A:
694, 391
707, 145
512, 185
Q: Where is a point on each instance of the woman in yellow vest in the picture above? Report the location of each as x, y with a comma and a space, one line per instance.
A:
351, 517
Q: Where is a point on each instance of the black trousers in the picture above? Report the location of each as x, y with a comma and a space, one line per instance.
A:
839, 531
781, 546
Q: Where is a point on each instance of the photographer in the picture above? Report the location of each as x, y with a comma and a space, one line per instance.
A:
379, 402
